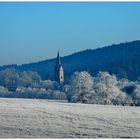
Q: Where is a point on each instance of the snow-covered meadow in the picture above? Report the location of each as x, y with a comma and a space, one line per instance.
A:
25, 118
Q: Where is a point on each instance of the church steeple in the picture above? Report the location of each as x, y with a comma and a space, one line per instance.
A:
59, 73
58, 59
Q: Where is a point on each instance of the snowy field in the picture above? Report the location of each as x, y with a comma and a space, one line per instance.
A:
26, 118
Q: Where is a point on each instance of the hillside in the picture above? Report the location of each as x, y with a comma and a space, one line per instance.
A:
121, 59
27, 118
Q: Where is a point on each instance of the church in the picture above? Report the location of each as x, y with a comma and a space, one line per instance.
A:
58, 72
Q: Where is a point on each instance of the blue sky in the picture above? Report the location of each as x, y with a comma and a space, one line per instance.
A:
31, 32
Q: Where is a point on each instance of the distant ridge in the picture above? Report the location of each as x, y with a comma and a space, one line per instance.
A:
121, 59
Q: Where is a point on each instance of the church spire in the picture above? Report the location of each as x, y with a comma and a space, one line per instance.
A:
58, 59
59, 73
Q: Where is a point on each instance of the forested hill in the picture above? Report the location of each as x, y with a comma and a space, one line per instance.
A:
121, 59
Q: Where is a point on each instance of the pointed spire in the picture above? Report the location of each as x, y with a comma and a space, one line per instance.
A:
59, 74
58, 58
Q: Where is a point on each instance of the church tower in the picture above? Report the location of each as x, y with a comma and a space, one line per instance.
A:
59, 72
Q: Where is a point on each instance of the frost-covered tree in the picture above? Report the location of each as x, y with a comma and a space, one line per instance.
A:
58, 95
81, 87
8, 77
123, 83
4, 92
28, 85
135, 89
29, 92
28, 79
103, 89
39, 93
131, 89
11, 77
48, 84
107, 90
